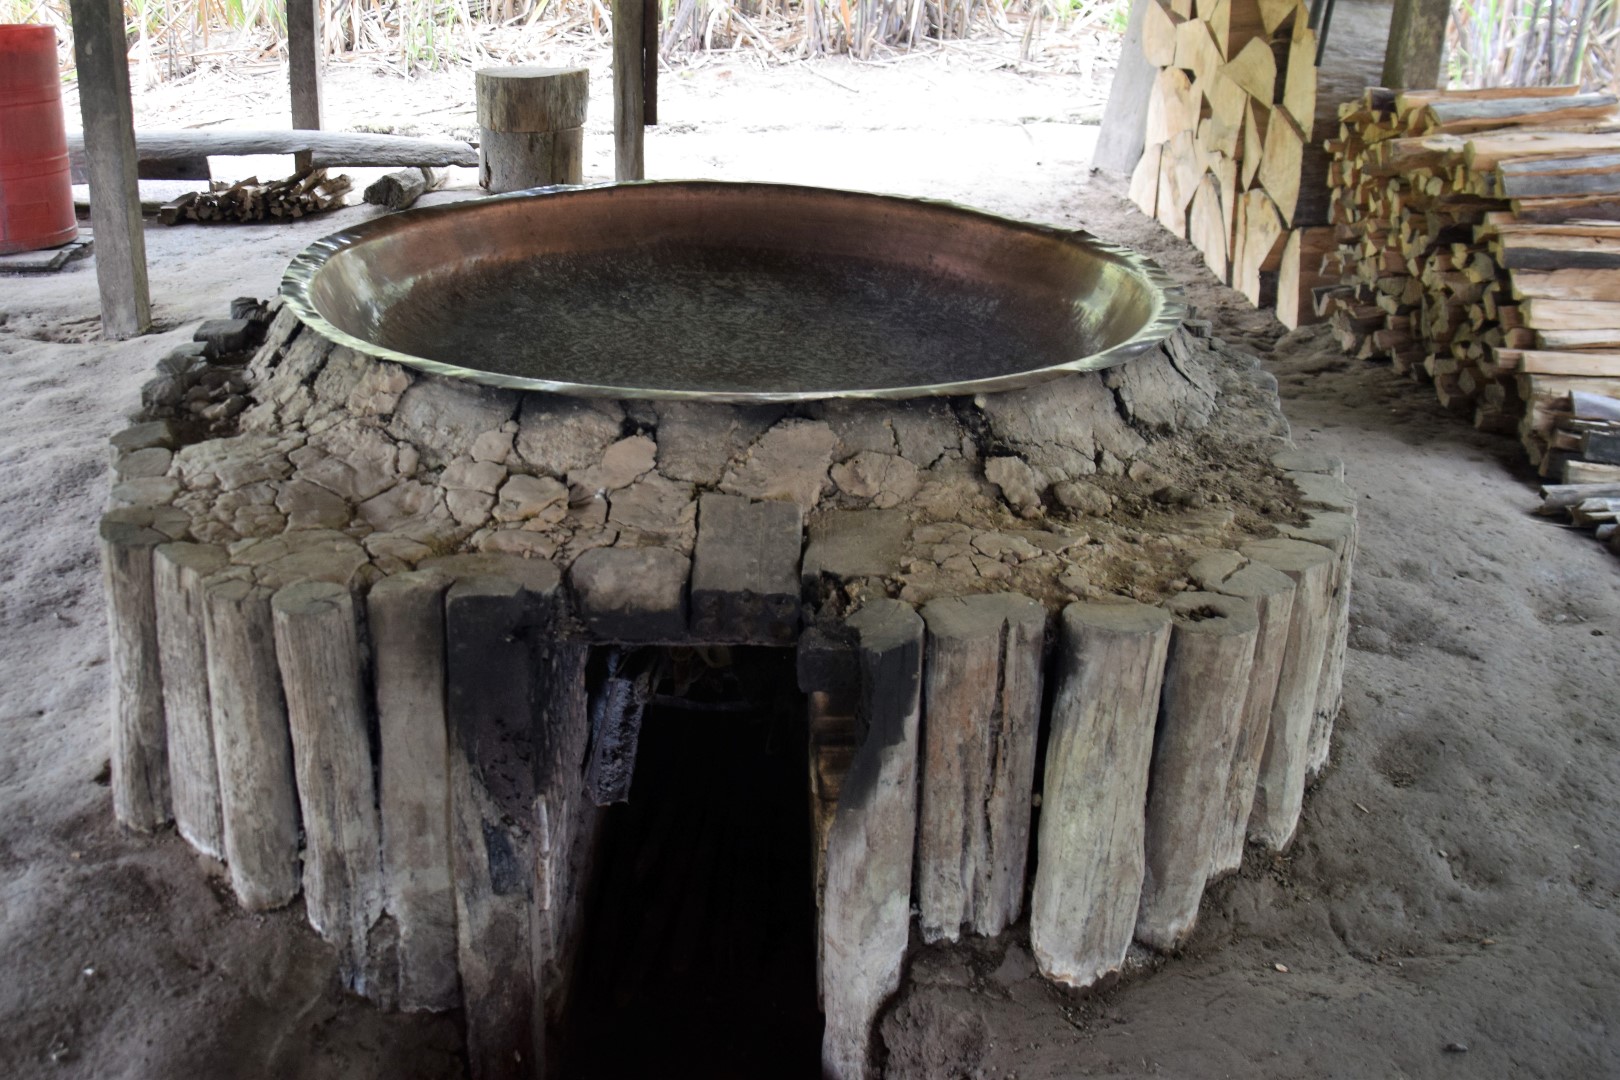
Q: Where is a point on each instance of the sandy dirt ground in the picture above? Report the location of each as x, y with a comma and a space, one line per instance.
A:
1455, 882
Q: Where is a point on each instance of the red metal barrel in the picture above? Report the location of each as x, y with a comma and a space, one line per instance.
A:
36, 193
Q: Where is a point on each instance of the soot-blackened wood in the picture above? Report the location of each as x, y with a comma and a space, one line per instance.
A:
983, 707
616, 709
629, 92
1206, 682
745, 570
493, 626
866, 903
405, 614
140, 762
318, 648
1089, 850
258, 802
1280, 789
178, 572
107, 150
1336, 532
1273, 595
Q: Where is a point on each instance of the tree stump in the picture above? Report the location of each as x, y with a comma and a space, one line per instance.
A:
531, 126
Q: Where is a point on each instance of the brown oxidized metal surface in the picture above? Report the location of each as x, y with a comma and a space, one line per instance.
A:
730, 292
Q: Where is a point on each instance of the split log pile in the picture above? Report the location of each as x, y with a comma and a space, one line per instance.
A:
1229, 162
1478, 248
307, 192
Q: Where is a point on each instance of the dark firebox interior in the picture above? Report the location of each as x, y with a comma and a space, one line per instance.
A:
699, 955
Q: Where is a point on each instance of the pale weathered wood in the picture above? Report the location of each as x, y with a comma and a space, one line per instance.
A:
101, 52
1459, 115
1280, 163
405, 615
1254, 68
326, 148
318, 648
1206, 226
1144, 188
1272, 593
178, 572
531, 97
983, 705
400, 189
1128, 95
258, 802
1206, 683
1417, 41
1158, 33
1335, 531
1280, 790
866, 900
629, 92
140, 762
304, 70
1259, 245
1089, 853
516, 160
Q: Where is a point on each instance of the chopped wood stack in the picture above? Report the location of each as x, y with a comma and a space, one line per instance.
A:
307, 192
1229, 163
1479, 247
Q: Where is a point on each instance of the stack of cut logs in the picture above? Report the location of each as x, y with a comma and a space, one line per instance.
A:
1479, 247
308, 192
1230, 164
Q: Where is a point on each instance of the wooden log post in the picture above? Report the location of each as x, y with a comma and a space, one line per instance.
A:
493, 622
405, 614
1089, 848
1336, 532
258, 802
1206, 682
866, 902
629, 91
1417, 43
531, 122
1272, 593
983, 705
101, 52
1280, 788
318, 646
400, 189
1125, 114
140, 763
178, 572
304, 70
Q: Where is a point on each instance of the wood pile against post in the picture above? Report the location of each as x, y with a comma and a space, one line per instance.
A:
1479, 249
531, 122
308, 192
1229, 162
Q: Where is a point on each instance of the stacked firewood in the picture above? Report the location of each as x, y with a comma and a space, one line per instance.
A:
1229, 163
307, 192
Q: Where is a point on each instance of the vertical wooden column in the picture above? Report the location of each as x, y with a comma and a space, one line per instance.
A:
983, 708
1089, 852
1125, 116
318, 648
1417, 44
304, 68
100, 50
629, 92
178, 572
866, 904
530, 126
406, 617
140, 764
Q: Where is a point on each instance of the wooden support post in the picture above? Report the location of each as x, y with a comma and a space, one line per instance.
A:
258, 803
406, 618
1089, 861
140, 764
1125, 115
983, 693
178, 571
1206, 682
1417, 43
866, 903
1280, 789
304, 70
493, 624
101, 52
531, 126
1273, 595
318, 646
1336, 532
629, 92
